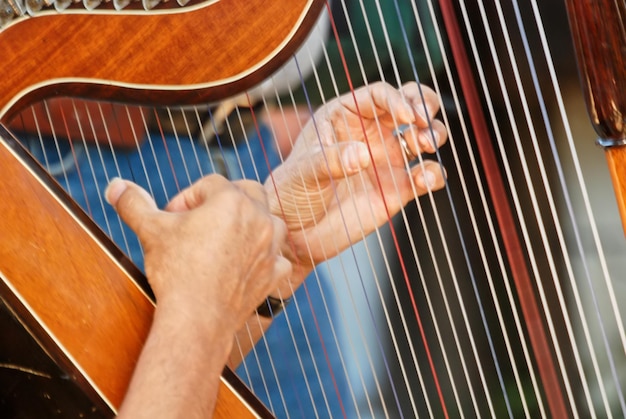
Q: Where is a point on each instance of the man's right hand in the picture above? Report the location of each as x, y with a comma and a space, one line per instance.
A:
215, 249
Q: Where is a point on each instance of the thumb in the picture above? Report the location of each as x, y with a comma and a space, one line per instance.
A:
132, 203
336, 161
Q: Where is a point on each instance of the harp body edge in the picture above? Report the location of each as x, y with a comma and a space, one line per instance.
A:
82, 305
75, 292
180, 58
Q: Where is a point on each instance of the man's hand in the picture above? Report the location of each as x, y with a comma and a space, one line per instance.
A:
212, 256
348, 173
215, 249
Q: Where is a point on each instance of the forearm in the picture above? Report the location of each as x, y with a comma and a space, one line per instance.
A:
179, 368
255, 327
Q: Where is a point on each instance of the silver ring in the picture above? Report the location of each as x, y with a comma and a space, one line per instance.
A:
399, 134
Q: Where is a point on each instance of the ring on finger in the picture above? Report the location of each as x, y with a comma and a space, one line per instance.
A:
399, 134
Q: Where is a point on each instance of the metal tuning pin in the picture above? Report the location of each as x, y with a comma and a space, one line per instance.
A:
10, 9
182, 2
91, 4
6, 12
120, 4
35, 6
61, 5
150, 4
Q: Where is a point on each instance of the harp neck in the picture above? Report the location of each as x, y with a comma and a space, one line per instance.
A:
165, 58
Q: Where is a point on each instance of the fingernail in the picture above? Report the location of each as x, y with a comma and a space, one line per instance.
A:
428, 179
430, 140
408, 109
355, 157
421, 111
113, 191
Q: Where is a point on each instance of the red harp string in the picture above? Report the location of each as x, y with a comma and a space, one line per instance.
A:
419, 318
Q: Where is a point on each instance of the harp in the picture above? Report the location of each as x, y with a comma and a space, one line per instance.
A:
499, 296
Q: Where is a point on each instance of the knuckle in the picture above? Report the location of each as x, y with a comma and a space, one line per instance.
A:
266, 232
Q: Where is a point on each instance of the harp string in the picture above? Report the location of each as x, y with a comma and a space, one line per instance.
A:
440, 230
471, 212
517, 137
495, 299
377, 370
554, 213
358, 274
493, 237
480, 306
351, 293
392, 60
473, 280
577, 234
607, 287
395, 241
254, 356
300, 321
499, 138
471, 274
309, 302
368, 400
407, 225
90, 126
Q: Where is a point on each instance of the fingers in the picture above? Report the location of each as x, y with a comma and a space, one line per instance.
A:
280, 286
334, 161
379, 99
422, 140
423, 100
413, 103
254, 190
202, 190
282, 266
132, 203
428, 176
198, 193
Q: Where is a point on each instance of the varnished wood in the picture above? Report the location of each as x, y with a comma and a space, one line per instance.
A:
54, 271
178, 57
616, 159
73, 289
599, 33
82, 120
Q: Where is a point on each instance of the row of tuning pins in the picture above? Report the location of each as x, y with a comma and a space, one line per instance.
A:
10, 9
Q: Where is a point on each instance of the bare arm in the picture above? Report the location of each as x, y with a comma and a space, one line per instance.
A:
217, 251
179, 368
211, 259
329, 178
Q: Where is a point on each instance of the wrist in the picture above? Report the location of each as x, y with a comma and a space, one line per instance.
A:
205, 323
